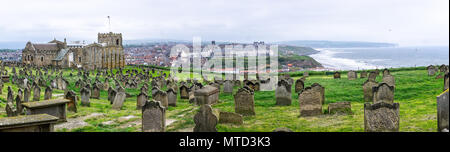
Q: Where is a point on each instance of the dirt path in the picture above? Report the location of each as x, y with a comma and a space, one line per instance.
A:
78, 122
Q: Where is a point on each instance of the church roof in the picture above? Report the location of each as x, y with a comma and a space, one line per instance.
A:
61, 54
46, 46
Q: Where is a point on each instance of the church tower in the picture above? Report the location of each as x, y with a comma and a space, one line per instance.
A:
113, 54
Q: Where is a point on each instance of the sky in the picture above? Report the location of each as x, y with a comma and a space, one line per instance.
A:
405, 22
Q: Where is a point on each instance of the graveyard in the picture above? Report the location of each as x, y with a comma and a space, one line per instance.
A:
415, 92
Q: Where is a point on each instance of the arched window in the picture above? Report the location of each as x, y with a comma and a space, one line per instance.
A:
117, 42
42, 59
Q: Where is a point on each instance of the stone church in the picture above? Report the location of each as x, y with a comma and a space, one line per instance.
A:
107, 53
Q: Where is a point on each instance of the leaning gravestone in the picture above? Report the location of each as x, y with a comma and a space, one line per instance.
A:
442, 111
11, 111
206, 119
383, 93
367, 89
161, 96
119, 99
72, 104
299, 85
352, 75
389, 79
381, 117
153, 116
244, 102
48, 93
310, 102
85, 95
283, 93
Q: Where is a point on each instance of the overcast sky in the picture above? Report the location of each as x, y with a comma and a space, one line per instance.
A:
406, 22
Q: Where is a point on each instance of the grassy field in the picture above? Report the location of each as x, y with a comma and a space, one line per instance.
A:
415, 91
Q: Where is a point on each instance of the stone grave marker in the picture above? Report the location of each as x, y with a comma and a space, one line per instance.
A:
383, 93
231, 118
442, 111
244, 102
283, 93
299, 85
153, 116
367, 90
85, 95
381, 117
340, 108
206, 119
309, 101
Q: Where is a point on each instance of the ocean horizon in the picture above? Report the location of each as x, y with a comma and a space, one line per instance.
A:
381, 57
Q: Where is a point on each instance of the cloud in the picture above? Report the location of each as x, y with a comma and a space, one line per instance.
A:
408, 22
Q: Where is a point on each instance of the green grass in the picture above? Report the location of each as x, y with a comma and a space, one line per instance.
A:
415, 91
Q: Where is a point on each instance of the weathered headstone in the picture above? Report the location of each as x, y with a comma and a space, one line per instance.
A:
184, 92
283, 93
373, 76
319, 88
119, 98
244, 102
141, 99
389, 79
85, 95
111, 94
432, 70
72, 104
153, 116
48, 93
337, 75
230, 117
161, 96
442, 111
446, 81
381, 117
228, 86
299, 85
11, 111
383, 93
352, 75
386, 72
36, 92
206, 119
172, 97
367, 90
95, 92
309, 101
363, 74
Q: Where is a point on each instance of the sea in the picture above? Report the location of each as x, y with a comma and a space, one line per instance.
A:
381, 57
